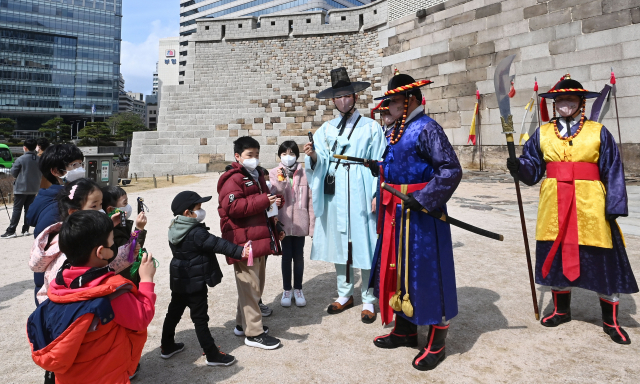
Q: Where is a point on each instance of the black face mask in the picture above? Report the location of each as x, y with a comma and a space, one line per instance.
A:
114, 249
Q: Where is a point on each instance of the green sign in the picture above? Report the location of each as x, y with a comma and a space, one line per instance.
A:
105, 171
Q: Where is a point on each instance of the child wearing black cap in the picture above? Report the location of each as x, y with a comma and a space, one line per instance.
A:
194, 267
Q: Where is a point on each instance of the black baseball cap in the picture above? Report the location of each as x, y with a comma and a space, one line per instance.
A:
186, 199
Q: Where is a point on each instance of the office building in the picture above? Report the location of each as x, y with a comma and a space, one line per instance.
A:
59, 58
152, 111
167, 63
155, 81
190, 10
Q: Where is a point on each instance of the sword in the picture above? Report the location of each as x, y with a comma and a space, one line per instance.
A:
447, 219
351, 158
502, 83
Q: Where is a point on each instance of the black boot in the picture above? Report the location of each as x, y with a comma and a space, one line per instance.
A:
610, 322
433, 353
561, 309
404, 334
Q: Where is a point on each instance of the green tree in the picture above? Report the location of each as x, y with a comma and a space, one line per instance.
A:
126, 129
122, 125
7, 126
95, 133
56, 130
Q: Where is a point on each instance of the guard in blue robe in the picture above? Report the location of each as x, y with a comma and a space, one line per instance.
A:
343, 192
413, 272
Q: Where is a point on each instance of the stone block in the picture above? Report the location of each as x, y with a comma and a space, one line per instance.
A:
608, 37
461, 54
585, 11
534, 65
459, 19
459, 90
452, 67
435, 48
532, 38
536, 10
504, 18
457, 78
488, 10
635, 15
479, 61
589, 57
550, 19
203, 141
534, 51
607, 21
472, 26
611, 6
463, 41
482, 49
492, 34
556, 5
502, 54
438, 106
479, 74
568, 30
442, 58
562, 46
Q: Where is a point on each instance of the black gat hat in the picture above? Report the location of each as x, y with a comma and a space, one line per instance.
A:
341, 85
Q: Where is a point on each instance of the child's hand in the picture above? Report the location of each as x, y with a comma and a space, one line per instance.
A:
246, 250
117, 219
272, 199
279, 202
147, 268
141, 221
282, 235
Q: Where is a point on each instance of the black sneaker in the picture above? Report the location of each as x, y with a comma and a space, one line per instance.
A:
264, 310
263, 341
49, 378
238, 331
220, 358
135, 373
166, 353
8, 235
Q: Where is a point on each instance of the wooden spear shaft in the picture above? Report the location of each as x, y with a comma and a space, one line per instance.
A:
512, 154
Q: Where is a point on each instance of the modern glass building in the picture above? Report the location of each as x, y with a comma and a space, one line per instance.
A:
190, 10
59, 58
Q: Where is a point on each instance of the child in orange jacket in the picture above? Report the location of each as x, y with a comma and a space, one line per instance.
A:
94, 325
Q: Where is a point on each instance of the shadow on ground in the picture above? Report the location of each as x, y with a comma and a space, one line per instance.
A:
477, 314
12, 290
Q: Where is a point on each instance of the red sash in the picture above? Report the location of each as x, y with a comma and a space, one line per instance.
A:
389, 250
566, 173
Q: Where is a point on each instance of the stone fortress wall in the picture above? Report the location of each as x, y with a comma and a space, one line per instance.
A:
259, 77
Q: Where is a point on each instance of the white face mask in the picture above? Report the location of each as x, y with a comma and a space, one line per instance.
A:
74, 175
251, 164
288, 160
102, 210
128, 210
344, 104
200, 214
566, 108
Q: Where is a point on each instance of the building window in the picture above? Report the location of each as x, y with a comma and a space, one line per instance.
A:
343, 18
239, 25
308, 21
273, 23
206, 28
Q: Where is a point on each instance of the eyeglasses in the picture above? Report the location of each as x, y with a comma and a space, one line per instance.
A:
76, 165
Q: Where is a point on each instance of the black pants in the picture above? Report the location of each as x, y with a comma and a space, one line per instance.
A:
198, 306
19, 202
292, 250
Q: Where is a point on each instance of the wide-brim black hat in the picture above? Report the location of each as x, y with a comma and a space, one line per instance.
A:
341, 85
569, 87
401, 84
186, 199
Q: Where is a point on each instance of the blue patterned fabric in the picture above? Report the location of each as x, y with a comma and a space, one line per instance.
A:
424, 154
602, 270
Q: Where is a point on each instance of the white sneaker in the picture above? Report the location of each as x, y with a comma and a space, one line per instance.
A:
299, 297
286, 299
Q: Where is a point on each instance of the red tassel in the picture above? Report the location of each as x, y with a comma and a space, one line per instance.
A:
512, 91
613, 78
544, 113
477, 94
424, 101
535, 87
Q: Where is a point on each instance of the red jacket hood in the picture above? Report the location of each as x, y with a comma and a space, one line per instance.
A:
60, 293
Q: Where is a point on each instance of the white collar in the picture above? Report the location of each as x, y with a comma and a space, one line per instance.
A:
563, 124
414, 114
352, 119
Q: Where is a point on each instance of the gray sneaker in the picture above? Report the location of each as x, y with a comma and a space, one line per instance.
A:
11, 235
266, 311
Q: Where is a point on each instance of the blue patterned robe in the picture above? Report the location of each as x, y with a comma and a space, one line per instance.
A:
424, 154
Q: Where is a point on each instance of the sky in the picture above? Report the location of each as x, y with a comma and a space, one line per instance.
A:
143, 23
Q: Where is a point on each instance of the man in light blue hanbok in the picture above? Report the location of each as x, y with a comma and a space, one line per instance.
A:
344, 192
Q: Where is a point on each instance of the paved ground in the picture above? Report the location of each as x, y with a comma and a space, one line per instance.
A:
495, 338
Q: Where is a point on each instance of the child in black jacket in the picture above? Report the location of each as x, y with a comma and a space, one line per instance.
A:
194, 267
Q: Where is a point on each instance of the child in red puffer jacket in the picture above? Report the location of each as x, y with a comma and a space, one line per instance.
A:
243, 204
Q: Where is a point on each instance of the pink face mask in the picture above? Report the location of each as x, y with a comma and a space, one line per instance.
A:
388, 120
566, 108
344, 104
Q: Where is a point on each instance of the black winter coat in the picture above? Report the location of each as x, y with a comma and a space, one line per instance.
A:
194, 262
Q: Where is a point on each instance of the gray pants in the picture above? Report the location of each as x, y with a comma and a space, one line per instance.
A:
19, 202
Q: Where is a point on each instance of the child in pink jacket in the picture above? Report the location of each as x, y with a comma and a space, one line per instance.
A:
296, 214
80, 195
